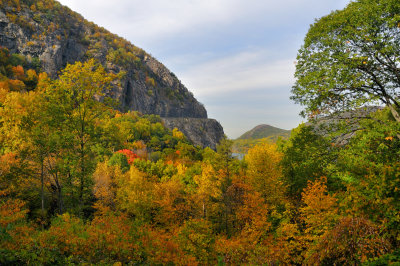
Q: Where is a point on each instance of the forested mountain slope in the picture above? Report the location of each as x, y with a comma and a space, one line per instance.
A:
259, 134
265, 131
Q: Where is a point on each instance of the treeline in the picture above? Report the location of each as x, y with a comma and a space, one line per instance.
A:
83, 183
243, 145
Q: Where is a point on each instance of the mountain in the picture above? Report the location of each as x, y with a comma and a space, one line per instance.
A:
265, 131
259, 134
46, 32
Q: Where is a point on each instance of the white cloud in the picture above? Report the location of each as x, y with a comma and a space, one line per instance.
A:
154, 20
244, 71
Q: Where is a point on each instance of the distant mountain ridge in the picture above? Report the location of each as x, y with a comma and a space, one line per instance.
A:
265, 131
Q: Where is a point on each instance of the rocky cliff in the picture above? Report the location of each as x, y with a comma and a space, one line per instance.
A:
200, 131
53, 35
341, 127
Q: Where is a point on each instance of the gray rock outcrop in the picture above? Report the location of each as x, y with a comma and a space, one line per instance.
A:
200, 131
342, 126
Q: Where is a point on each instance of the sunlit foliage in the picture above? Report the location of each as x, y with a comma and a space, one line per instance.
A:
82, 183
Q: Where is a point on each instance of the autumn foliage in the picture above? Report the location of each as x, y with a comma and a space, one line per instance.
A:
82, 183
130, 155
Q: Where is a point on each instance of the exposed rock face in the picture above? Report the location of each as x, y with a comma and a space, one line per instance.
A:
346, 124
202, 132
168, 98
59, 36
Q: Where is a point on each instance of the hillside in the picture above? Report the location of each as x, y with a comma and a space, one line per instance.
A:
265, 131
258, 135
52, 35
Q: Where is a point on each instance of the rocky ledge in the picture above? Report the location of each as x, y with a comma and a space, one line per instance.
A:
201, 131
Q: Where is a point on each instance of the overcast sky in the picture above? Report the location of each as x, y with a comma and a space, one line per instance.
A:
236, 56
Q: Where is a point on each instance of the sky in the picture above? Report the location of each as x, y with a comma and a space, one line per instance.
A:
236, 56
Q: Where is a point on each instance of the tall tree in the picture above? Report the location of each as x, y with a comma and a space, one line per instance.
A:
264, 172
75, 116
350, 59
305, 157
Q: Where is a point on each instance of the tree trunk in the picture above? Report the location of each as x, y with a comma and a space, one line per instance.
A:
42, 189
394, 112
82, 180
60, 201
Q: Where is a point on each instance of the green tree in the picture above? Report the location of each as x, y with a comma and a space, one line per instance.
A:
305, 157
76, 116
120, 160
197, 239
370, 166
350, 58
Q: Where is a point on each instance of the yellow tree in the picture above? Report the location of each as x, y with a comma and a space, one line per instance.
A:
208, 187
135, 194
17, 115
105, 185
172, 202
264, 173
75, 115
16, 108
